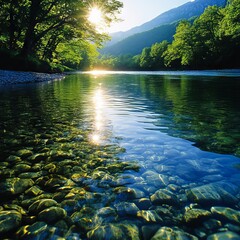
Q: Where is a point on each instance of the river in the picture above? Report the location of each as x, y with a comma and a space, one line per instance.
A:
121, 155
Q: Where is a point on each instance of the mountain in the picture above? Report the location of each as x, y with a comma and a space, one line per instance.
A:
186, 11
134, 45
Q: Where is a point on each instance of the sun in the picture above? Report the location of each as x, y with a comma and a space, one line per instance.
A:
95, 16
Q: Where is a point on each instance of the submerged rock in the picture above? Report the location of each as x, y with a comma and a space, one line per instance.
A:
215, 193
32, 231
41, 204
164, 196
13, 159
126, 208
114, 231
14, 186
52, 214
9, 220
150, 216
22, 167
195, 215
24, 153
166, 233
224, 235
227, 214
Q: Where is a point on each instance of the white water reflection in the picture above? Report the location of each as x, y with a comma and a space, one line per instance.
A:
100, 122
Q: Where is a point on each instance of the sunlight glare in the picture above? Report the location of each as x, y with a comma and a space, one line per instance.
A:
95, 138
95, 16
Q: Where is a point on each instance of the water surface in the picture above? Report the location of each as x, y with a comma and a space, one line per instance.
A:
124, 155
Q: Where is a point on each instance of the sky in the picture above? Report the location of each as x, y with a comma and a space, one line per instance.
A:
137, 12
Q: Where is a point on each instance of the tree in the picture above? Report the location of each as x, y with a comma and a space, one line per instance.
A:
145, 58
229, 31
156, 54
35, 28
181, 49
207, 44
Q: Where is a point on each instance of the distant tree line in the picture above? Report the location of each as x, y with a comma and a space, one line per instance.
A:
210, 41
50, 34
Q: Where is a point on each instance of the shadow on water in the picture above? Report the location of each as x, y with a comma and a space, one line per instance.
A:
104, 157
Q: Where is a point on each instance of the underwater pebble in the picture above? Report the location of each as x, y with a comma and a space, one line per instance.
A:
126, 208
227, 213
114, 231
224, 236
24, 153
172, 234
52, 214
32, 231
150, 216
9, 220
41, 204
215, 193
14, 186
164, 196
196, 215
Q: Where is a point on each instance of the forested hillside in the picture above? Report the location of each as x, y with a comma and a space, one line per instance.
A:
134, 45
186, 11
211, 41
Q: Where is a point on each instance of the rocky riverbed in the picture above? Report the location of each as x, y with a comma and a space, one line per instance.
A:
17, 77
59, 186
56, 183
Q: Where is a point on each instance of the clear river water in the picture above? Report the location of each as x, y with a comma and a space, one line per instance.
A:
121, 155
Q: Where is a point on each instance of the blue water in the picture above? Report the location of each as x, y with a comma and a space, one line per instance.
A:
125, 136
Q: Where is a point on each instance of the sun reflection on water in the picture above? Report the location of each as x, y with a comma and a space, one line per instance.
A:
99, 104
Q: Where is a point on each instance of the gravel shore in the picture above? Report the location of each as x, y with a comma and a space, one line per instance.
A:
17, 77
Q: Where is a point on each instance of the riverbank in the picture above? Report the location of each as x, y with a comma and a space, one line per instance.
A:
16, 77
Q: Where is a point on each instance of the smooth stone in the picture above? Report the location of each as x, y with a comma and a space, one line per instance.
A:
149, 231
14, 186
212, 224
143, 203
9, 220
166, 233
227, 213
13, 159
196, 215
41, 204
24, 153
52, 214
33, 230
105, 215
34, 191
106, 212
60, 155
30, 200
84, 218
126, 208
38, 157
30, 175
150, 216
224, 236
164, 196
125, 193
156, 179
232, 227
22, 167
114, 231
14, 207
215, 193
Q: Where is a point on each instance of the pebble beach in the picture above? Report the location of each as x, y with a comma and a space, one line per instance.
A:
17, 77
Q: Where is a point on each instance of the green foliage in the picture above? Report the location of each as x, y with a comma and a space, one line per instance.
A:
210, 41
46, 29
